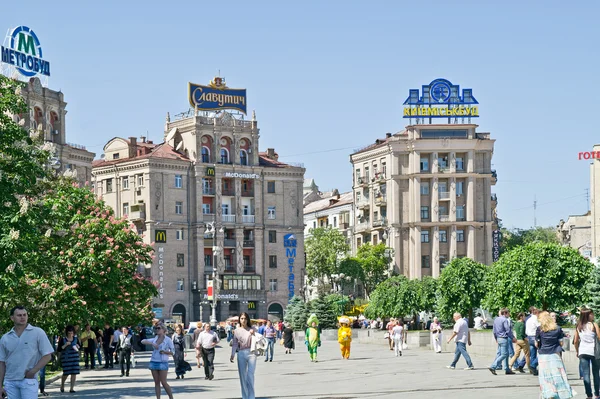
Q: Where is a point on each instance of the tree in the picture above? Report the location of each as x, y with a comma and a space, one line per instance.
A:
325, 312
461, 287
512, 238
325, 247
594, 302
428, 293
547, 276
374, 261
296, 313
395, 297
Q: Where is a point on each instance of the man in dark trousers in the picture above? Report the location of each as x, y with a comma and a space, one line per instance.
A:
207, 340
107, 339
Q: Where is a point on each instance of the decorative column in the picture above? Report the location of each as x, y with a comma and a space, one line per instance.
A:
471, 242
435, 252
470, 211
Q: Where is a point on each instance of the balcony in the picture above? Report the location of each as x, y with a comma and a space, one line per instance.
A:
494, 197
248, 193
444, 218
380, 222
247, 218
344, 225
444, 169
208, 191
208, 217
363, 204
249, 269
229, 192
363, 181
380, 200
208, 243
379, 177
444, 195
137, 213
363, 226
229, 242
228, 218
248, 243
230, 269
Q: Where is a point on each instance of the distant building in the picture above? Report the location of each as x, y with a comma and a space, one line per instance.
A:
576, 232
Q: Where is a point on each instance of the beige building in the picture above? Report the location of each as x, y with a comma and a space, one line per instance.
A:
576, 232
426, 193
595, 202
209, 175
46, 117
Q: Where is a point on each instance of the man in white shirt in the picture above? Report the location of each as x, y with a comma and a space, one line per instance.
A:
479, 321
24, 351
207, 340
530, 329
463, 337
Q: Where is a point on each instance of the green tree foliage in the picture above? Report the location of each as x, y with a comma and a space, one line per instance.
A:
296, 313
374, 262
325, 311
461, 287
547, 276
395, 297
428, 293
594, 302
512, 238
325, 247
352, 267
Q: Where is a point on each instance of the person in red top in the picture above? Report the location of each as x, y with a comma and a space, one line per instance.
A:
390, 326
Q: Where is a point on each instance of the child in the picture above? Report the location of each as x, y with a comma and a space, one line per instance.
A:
312, 337
345, 337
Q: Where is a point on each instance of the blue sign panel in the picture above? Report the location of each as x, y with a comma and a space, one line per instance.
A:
25, 53
217, 96
290, 243
158, 313
441, 99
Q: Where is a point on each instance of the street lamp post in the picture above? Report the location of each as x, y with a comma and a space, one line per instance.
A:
210, 230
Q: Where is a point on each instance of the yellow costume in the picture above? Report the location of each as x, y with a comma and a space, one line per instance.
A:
345, 337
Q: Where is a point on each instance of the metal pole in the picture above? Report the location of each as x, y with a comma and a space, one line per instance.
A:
213, 316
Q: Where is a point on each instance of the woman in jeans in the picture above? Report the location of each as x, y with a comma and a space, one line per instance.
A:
242, 340
585, 340
159, 361
270, 335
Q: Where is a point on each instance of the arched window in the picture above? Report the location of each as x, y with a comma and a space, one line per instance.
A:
243, 157
224, 155
205, 155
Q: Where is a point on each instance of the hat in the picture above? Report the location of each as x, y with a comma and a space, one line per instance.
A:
344, 320
312, 319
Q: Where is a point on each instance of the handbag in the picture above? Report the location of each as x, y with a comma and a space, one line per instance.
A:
404, 346
133, 361
597, 349
386, 335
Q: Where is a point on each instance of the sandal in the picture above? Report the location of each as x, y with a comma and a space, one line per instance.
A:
44, 393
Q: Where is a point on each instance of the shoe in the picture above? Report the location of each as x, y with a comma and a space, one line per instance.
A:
450, 367
62, 389
182, 377
520, 369
266, 360
535, 372
492, 370
206, 378
127, 375
124, 374
72, 390
175, 378
271, 360
509, 372
105, 367
400, 354
469, 368
211, 377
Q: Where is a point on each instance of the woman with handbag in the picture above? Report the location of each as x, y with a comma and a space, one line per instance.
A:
69, 347
436, 335
588, 351
288, 338
246, 360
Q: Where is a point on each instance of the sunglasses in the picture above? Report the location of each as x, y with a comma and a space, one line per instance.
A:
156, 328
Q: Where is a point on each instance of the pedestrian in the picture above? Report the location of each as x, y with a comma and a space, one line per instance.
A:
246, 361
312, 337
88, 343
142, 337
159, 361
99, 334
229, 330
436, 335
390, 326
345, 337
531, 326
522, 343
261, 328
125, 349
24, 351
69, 358
270, 335
280, 330
179, 355
108, 337
197, 332
116, 336
585, 341
503, 334
206, 343
463, 337
479, 322
288, 338
397, 336
552, 374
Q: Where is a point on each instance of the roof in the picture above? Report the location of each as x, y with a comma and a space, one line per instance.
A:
378, 143
264, 160
163, 150
325, 203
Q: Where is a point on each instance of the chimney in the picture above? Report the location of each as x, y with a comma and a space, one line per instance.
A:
132, 147
143, 139
377, 141
271, 154
388, 135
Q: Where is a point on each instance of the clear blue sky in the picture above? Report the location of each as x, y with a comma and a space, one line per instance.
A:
325, 75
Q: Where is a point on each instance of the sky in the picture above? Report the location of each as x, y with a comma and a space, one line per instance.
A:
328, 77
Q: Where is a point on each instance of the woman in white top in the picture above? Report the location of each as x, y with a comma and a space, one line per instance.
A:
242, 340
159, 362
397, 336
585, 341
436, 335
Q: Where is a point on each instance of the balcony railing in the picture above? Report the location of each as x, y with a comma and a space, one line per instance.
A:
228, 218
248, 243
137, 216
249, 269
229, 242
362, 226
380, 222
364, 203
208, 191
248, 193
247, 218
380, 200
363, 180
343, 225
444, 218
208, 217
230, 269
444, 195
230, 192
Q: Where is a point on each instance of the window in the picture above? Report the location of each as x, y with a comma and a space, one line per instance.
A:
205, 155
243, 157
140, 180
225, 209
272, 236
314, 225
240, 282
273, 261
460, 163
443, 236
208, 260
443, 211
273, 284
125, 208
180, 260
109, 185
424, 188
224, 155
424, 164
271, 212
125, 182
367, 173
116, 156
270, 187
358, 196
246, 260
178, 181
358, 242
206, 209
179, 234
425, 236
180, 285
358, 177
459, 187
334, 221
460, 212
383, 170
424, 212
443, 261
443, 162
178, 207
246, 210
460, 235
425, 261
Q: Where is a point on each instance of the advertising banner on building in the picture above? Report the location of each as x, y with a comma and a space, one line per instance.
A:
23, 51
441, 99
496, 236
290, 243
216, 96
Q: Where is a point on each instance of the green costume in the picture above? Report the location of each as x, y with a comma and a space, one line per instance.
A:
312, 337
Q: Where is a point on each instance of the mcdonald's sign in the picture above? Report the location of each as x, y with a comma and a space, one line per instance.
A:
251, 305
210, 171
160, 236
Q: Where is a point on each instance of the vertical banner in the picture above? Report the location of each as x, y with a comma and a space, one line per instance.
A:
290, 243
496, 236
209, 290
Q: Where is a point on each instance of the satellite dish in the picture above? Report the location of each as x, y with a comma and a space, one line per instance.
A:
179, 146
171, 134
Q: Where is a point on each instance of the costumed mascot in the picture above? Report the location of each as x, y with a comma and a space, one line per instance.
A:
345, 336
312, 337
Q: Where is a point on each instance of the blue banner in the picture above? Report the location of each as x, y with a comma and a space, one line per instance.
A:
217, 96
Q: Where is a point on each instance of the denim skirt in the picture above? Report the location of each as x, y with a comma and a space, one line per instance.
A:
159, 366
